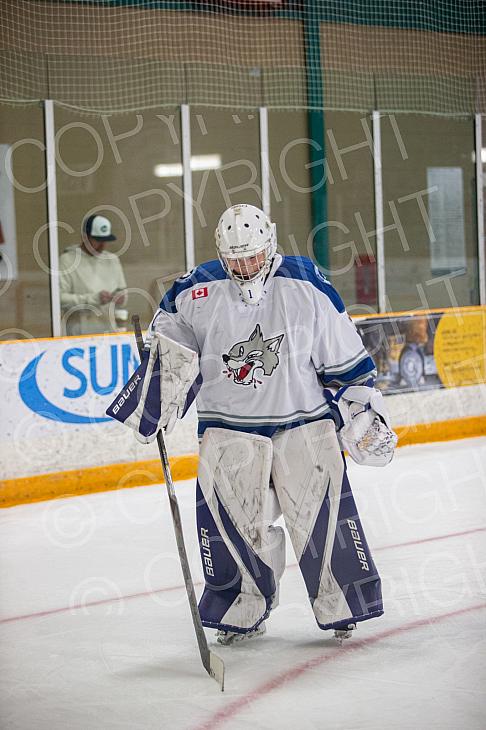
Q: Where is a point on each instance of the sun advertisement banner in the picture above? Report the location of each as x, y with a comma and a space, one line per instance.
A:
54, 394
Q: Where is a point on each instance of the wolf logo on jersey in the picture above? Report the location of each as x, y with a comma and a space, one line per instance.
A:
247, 356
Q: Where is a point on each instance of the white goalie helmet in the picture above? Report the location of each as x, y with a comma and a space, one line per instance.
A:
246, 243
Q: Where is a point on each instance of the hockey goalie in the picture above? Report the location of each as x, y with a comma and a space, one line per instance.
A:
283, 387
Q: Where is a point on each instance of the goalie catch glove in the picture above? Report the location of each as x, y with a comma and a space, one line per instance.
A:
366, 432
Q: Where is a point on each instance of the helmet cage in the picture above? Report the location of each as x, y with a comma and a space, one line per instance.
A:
248, 268
245, 232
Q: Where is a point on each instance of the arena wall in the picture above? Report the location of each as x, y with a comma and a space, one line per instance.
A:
55, 439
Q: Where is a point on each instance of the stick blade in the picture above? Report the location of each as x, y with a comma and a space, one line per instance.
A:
216, 669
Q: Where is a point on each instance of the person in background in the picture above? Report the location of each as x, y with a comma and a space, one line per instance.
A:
91, 281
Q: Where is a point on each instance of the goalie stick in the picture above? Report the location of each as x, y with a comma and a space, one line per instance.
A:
212, 663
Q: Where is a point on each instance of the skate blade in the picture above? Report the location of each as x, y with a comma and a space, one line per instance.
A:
341, 634
229, 638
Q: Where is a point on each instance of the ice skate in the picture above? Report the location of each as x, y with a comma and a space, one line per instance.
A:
345, 632
228, 638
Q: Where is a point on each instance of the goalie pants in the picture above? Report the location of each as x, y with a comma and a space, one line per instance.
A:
243, 553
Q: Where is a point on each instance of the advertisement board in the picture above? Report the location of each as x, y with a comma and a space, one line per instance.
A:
69, 380
427, 350
54, 394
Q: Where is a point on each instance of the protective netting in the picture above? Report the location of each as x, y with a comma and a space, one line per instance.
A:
107, 55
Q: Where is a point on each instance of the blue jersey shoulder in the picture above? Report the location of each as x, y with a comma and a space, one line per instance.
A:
303, 269
202, 274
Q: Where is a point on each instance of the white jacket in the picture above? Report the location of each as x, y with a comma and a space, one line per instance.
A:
81, 279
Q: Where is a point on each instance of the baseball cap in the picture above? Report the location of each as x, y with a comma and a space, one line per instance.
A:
99, 227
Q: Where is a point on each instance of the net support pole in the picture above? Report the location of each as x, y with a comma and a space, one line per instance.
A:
480, 208
50, 134
380, 236
264, 159
317, 147
187, 187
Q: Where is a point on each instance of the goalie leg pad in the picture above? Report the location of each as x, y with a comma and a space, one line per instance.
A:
320, 513
241, 555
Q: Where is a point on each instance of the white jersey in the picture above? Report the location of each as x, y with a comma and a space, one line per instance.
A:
264, 366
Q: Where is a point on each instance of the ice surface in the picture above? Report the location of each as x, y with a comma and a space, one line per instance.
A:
95, 632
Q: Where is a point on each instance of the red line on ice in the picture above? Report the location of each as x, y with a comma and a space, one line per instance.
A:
144, 594
237, 706
88, 604
430, 539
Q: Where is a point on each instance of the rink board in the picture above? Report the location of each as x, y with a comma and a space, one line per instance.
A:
56, 440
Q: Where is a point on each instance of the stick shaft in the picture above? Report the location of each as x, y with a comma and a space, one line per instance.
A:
176, 518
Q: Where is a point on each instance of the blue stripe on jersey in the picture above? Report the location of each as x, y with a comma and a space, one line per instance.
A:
209, 271
364, 368
261, 430
303, 269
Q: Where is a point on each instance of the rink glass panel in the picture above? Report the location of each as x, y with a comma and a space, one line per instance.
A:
436, 266
483, 158
230, 142
289, 183
121, 179
25, 308
351, 209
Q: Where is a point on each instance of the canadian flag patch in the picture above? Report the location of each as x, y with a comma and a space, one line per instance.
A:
200, 293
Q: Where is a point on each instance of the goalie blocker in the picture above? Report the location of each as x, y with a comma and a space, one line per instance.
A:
158, 393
